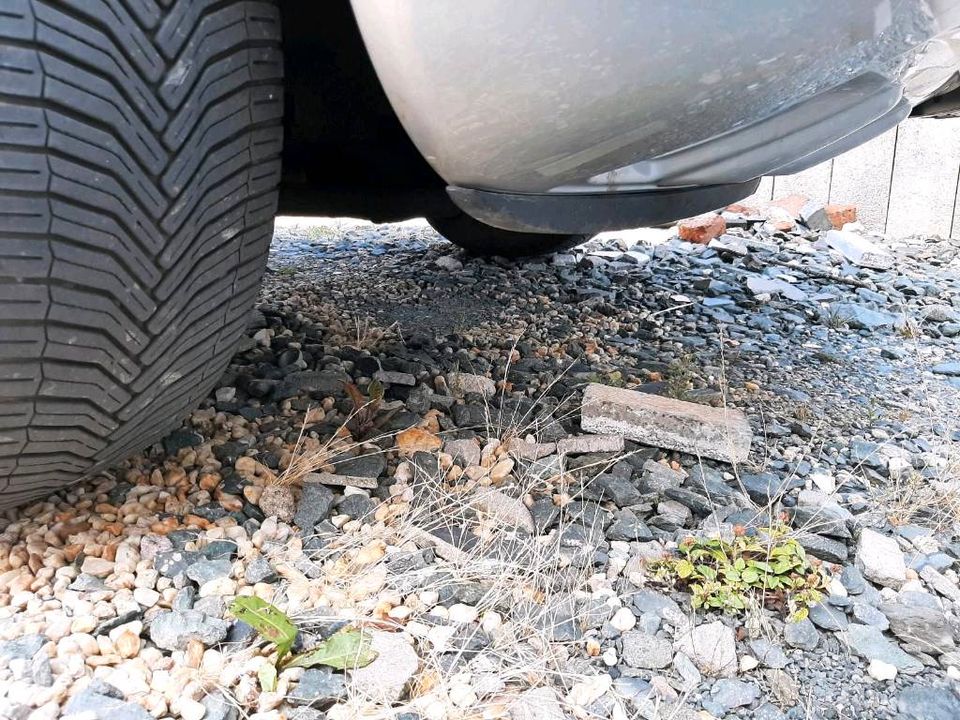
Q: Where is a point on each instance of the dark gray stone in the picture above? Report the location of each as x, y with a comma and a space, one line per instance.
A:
318, 686
924, 628
801, 635
627, 526
727, 694
610, 487
827, 617
316, 500
866, 614
259, 570
218, 708
93, 706
870, 643
370, 465
204, 571
824, 548
172, 563
173, 630
357, 507
769, 653
853, 580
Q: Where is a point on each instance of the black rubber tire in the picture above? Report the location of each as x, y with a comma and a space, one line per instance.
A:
139, 161
478, 238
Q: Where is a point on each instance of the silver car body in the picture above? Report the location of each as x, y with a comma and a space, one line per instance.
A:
578, 97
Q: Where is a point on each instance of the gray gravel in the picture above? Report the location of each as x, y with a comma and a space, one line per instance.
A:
847, 375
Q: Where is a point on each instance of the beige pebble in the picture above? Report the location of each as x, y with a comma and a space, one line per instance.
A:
127, 644
191, 709
98, 567
147, 597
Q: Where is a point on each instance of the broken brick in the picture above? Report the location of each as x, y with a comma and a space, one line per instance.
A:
832, 216
791, 203
701, 229
718, 433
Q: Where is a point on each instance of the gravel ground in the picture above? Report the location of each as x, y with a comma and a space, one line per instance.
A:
500, 567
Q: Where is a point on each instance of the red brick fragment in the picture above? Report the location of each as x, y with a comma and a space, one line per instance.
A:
701, 229
840, 214
791, 203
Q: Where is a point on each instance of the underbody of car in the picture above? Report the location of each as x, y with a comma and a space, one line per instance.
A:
570, 117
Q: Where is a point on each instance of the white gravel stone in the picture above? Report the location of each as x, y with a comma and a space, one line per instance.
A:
712, 647
146, 596
386, 678
623, 619
879, 670
462, 613
880, 559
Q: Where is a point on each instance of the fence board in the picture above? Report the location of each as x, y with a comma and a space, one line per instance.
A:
923, 190
862, 177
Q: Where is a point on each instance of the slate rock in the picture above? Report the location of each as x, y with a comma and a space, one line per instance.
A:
609, 487
928, 703
316, 499
852, 580
628, 527
370, 465
824, 548
866, 614
828, 618
802, 635
926, 629
769, 653
727, 694
173, 630
870, 643
318, 686
764, 488
93, 706
204, 571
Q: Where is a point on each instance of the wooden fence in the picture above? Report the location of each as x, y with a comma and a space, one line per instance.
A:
904, 182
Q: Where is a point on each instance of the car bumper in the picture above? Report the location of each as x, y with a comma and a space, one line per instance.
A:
563, 97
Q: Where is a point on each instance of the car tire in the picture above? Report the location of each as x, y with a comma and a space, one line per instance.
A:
139, 163
478, 238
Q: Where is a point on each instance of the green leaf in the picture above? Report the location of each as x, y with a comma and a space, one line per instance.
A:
750, 575
684, 569
348, 648
707, 572
268, 620
267, 675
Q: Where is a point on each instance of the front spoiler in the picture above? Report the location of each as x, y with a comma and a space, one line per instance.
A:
588, 213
